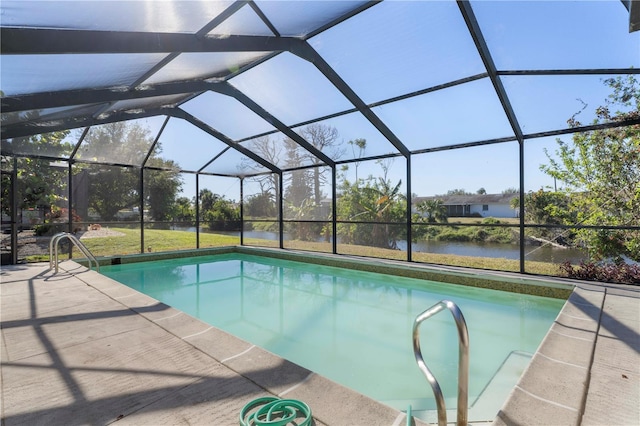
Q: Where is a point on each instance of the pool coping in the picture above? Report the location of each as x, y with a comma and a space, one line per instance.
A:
586, 370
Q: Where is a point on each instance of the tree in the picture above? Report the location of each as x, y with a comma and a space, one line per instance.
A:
458, 191
600, 171
376, 200
298, 183
39, 185
221, 214
481, 191
272, 151
207, 199
361, 145
113, 188
325, 139
184, 211
433, 210
548, 208
261, 205
161, 188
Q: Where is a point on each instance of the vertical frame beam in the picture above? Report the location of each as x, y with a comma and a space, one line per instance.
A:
197, 207
281, 208
242, 211
70, 200
487, 60
334, 210
409, 207
141, 192
69, 209
521, 161
14, 212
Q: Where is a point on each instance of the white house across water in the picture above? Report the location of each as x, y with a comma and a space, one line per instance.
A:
479, 205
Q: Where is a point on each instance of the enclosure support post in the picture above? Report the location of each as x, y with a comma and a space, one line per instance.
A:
197, 210
522, 236
334, 210
281, 208
14, 212
141, 209
409, 206
70, 204
241, 211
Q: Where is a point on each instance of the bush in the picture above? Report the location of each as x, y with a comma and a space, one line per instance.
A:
490, 221
225, 225
454, 235
621, 273
43, 230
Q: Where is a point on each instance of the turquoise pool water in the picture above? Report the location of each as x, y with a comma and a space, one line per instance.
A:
355, 327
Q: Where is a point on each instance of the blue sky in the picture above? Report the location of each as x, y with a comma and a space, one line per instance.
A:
388, 51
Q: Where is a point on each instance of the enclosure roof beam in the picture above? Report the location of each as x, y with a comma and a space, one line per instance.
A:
33, 41
487, 60
308, 53
228, 89
64, 98
340, 19
223, 16
30, 129
179, 113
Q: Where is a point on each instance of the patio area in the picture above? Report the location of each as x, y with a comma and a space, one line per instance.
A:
79, 348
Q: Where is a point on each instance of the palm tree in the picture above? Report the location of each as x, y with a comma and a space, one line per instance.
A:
433, 210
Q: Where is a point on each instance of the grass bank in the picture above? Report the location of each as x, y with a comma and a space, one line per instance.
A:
169, 240
460, 231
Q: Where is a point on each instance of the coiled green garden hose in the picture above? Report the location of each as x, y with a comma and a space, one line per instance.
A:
275, 412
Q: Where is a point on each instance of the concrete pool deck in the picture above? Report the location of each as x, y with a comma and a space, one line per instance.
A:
79, 348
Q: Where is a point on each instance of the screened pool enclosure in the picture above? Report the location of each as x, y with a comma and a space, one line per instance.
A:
501, 135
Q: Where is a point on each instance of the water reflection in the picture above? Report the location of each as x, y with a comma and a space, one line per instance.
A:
493, 250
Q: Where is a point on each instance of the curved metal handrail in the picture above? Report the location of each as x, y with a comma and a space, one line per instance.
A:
54, 240
463, 361
53, 250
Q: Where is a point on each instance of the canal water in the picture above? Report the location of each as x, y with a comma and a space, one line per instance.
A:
534, 253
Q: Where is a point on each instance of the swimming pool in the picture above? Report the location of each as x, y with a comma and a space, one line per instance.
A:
354, 327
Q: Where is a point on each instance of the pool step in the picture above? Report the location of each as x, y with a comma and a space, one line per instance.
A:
500, 386
482, 409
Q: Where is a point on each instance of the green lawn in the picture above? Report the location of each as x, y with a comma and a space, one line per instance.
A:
167, 240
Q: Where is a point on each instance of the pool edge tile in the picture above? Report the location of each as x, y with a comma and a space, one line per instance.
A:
330, 400
526, 409
563, 390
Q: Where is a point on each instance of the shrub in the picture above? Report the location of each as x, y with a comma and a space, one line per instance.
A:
622, 273
43, 229
61, 214
453, 235
490, 221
